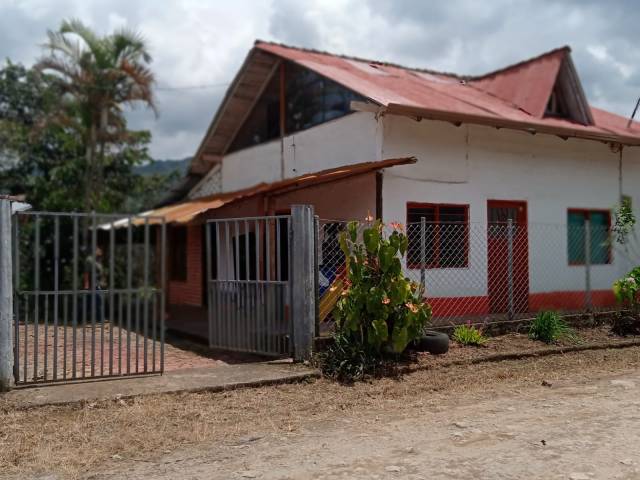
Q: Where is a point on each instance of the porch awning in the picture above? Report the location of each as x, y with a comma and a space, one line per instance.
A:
186, 211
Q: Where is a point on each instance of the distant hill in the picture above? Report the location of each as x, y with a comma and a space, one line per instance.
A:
164, 167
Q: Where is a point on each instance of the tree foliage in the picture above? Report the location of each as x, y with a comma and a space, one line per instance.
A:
55, 146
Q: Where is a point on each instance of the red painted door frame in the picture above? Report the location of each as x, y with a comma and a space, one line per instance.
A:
498, 213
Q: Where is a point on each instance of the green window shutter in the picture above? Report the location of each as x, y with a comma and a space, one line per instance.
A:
599, 237
575, 237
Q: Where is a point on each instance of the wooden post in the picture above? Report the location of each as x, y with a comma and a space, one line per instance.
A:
302, 282
6, 298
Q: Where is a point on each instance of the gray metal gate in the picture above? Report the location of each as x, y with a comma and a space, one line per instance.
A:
88, 296
248, 274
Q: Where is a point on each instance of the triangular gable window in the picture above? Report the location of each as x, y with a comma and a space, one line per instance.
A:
309, 99
567, 99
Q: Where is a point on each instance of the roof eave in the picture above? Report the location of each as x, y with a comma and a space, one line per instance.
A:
530, 127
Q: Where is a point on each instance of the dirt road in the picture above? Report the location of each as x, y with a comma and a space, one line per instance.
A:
586, 430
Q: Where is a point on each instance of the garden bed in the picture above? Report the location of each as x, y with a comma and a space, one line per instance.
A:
514, 345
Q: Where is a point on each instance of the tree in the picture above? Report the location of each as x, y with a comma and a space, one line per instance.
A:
99, 76
45, 159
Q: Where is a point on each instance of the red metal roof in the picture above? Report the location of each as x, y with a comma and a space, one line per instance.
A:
514, 97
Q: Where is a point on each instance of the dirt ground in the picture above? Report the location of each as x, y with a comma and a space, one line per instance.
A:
490, 420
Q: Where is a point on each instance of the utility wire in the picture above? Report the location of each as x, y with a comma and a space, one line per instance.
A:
192, 87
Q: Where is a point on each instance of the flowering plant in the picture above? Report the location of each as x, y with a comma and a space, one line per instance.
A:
381, 308
627, 288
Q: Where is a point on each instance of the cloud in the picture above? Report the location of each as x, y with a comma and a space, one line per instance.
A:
204, 42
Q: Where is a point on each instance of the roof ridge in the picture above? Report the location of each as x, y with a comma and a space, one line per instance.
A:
565, 48
364, 60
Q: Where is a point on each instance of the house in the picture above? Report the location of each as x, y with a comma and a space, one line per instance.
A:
520, 145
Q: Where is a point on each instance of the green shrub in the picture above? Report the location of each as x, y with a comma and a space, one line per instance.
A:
549, 327
380, 309
468, 335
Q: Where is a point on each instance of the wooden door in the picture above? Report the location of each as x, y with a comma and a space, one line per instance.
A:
498, 214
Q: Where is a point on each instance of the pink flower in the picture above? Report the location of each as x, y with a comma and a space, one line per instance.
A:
412, 307
386, 300
397, 226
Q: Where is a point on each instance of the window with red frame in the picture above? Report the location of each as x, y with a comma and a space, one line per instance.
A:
446, 235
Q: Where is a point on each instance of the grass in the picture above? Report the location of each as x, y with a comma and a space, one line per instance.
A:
549, 327
72, 440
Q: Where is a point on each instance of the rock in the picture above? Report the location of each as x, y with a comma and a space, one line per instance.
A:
578, 476
461, 424
626, 461
116, 457
626, 384
546, 383
393, 468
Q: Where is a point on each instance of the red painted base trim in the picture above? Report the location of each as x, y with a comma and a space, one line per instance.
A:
480, 305
456, 306
573, 300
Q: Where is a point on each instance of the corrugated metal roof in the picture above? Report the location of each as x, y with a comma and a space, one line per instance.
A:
514, 97
187, 211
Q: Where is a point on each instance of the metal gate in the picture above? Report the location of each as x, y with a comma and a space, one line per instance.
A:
248, 274
88, 296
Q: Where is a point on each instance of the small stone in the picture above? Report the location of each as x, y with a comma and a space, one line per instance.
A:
249, 474
461, 424
116, 457
546, 384
410, 450
457, 434
626, 461
626, 384
393, 468
578, 476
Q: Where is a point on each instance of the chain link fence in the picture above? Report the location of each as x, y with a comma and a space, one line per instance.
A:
490, 273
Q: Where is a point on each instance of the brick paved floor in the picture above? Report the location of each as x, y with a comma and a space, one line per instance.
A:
115, 351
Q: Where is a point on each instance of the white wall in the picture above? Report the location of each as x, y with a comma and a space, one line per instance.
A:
472, 164
347, 140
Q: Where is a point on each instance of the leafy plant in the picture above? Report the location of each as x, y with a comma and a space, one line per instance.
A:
380, 309
346, 360
469, 335
549, 327
627, 289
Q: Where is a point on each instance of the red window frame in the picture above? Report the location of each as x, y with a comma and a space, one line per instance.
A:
587, 212
436, 254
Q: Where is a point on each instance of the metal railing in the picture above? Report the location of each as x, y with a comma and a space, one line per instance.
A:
88, 296
248, 272
491, 272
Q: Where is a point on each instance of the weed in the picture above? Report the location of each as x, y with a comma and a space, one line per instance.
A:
469, 335
549, 327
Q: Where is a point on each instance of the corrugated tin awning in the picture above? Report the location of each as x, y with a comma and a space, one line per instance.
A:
187, 211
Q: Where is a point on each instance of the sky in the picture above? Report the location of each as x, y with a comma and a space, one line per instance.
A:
203, 43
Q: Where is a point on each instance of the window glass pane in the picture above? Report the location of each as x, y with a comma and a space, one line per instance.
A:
312, 99
446, 236
453, 245
414, 253
575, 237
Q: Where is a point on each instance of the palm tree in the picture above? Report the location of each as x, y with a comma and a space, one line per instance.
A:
99, 76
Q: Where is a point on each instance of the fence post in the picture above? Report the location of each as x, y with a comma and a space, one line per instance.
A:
6, 298
303, 308
423, 253
316, 271
587, 264
510, 267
